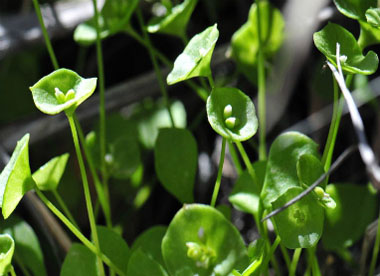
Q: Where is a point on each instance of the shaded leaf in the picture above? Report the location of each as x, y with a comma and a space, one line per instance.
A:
7, 247
79, 261
309, 169
141, 264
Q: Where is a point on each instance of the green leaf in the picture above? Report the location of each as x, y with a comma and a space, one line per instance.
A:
201, 241
79, 261
239, 108
281, 171
369, 35
301, 224
149, 242
7, 247
373, 17
225, 210
140, 264
355, 210
27, 246
114, 247
113, 18
48, 176
309, 169
16, 179
62, 90
175, 21
195, 59
245, 41
176, 159
351, 57
355, 9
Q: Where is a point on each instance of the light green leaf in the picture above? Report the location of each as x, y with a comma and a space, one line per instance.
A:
355, 210
355, 9
140, 264
7, 247
48, 176
369, 35
79, 261
195, 59
16, 179
201, 241
373, 17
239, 108
301, 224
351, 57
175, 21
62, 90
176, 159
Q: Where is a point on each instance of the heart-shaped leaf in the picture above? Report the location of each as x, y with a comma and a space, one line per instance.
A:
7, 247
231, 113
245, 41
195, 59
140, 264
355, 9
175, 21
301, 224
16, 179
351, 59
201, 241
62, 90
176, 159
79, 261
48, 176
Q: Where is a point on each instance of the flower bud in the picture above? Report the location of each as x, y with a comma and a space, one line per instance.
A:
227, 111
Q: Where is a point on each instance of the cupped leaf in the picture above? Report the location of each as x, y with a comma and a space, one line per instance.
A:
7, 247
16, 179
200, 241
140, 264
355, 210
355, 9
79, 261
175, 21
231, 113
351, 57
195, 59
113, 18
245, 41
27, 246
48, 176
301, 224
176, 159
373, 17
281, 171
62, 90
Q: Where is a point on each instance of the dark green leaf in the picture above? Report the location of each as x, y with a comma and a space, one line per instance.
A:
355, 9
309, 169
141, 264
176, 159
7, 247
79, 261
225, 210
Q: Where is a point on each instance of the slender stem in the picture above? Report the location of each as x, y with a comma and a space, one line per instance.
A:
293, 265
156, 66
235, 158
12, 271
247, 162
314, 262
376, 249
77, 233
220, 170
86, 189
45, 35
271, 252
285, 254
261, 90
63, 205
211, 81
102, 191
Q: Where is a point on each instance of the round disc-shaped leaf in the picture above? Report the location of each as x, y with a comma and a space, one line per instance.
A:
351, 57
301, 224
201, 241
16, 179
243, 111
79, 261
355, 9
66, 81
175, 21
195, 59
7, 247
176, 158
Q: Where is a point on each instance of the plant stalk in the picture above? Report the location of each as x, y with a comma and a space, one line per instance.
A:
12, 271
376, 249
294, 263
220, 170
63, 205
271, 252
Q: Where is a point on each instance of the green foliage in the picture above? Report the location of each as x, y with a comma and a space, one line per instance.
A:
195, 59
79, 261
373, 17
16, 179
231, 114
140, 264
62, 90
7, 247
176, 159
351, 57
196, 243
309, 169
355, 9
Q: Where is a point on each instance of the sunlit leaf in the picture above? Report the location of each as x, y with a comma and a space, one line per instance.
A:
355, 9
7, 247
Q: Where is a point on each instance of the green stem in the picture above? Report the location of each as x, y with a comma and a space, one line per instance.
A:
314, 262
272, 249
247, 162
86, 189
63, 205
77, 233
220, 170
293, 265
211, 81
21, 265
235, 158
45, 35
155, 66
285, 254
376, 249
12, 271
261, 90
